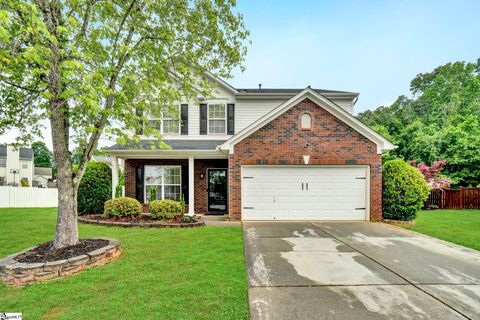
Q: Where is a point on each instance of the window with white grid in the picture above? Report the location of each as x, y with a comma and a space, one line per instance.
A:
165, 182
216, 118
168, 122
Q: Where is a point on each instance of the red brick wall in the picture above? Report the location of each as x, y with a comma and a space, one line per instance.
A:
201, 166
283, 142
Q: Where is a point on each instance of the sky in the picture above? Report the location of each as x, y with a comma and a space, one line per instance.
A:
371, 47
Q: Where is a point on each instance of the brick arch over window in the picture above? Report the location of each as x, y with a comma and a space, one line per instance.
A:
283, 142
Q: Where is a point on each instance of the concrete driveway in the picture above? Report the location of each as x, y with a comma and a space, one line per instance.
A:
357, 270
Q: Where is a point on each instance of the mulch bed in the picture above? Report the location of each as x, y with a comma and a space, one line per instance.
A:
44, 252
140, 219
144, 221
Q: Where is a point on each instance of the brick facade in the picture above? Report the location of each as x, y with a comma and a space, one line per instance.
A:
283, 142
200, 167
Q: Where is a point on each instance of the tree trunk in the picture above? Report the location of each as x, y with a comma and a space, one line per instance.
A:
67, 228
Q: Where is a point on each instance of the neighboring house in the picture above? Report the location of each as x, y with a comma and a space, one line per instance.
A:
42, 177
16, 165
262, 154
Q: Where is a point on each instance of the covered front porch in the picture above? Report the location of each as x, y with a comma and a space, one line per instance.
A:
201, 180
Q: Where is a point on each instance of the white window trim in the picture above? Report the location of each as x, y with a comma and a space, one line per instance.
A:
145, 196
208, 117
302, 124
161, 122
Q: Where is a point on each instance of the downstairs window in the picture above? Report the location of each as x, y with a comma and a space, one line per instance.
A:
163, 182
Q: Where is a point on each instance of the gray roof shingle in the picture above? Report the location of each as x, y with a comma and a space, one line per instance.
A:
289, 91
25, 153
175, 144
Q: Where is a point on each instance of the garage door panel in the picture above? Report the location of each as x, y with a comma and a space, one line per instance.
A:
297, 193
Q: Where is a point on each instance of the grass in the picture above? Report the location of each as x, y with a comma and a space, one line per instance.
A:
458, 226
194, 273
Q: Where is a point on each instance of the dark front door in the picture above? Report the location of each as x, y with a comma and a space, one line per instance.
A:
217, 190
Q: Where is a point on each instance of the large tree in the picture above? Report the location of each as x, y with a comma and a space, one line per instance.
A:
441, 120
93, 67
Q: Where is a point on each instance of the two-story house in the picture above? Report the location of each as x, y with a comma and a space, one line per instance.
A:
16, 165
262, 154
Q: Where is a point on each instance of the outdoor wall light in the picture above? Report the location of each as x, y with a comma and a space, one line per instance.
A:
202, 176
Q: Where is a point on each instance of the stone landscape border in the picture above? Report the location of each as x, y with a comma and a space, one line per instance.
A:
100, 222
409, 223
19, 274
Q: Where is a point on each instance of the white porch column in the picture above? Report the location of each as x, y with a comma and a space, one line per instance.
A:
114, 161
191, 188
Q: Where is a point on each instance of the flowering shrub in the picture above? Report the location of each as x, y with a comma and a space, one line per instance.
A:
432, 174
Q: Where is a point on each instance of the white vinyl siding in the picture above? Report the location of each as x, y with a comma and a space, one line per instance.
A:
248, 111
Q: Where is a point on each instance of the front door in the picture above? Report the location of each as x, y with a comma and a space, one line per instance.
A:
217, 190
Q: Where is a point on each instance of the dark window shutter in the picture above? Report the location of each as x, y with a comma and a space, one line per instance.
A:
139, 182
231, 118
203, 118
185, 183
184, 118
139, 130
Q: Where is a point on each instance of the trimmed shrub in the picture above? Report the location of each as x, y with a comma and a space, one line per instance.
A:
95, 188
122, 207
165, 209
404, 190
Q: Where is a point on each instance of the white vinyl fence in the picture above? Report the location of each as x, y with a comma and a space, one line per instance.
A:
27, 197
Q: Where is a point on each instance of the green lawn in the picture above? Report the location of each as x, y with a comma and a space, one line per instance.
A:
457, 226
162, 274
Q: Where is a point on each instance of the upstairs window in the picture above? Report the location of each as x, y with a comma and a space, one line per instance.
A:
168, 122
216, 118
306, 121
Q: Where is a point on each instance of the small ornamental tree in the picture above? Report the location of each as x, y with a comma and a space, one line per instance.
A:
432, 174
94, 68
404, 190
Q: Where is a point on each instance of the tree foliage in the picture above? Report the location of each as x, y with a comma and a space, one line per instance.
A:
42, 156
440, 121
96, 68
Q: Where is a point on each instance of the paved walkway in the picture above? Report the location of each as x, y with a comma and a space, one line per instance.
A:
357, 270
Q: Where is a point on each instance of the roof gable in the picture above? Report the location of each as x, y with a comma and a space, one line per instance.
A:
308, 93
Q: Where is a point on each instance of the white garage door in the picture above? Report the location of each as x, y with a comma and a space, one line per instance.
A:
304, 193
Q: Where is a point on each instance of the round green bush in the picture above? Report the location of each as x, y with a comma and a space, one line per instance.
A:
95, 188
122, 207
404, 190
165, 209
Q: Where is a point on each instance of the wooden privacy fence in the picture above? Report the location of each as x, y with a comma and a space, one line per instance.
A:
464, 198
